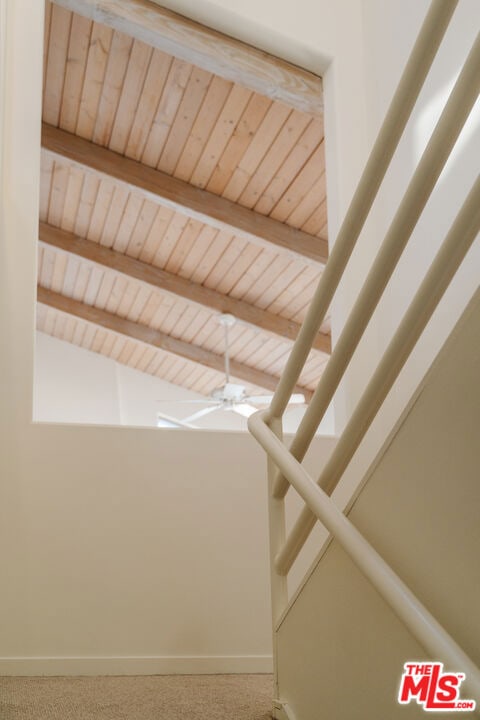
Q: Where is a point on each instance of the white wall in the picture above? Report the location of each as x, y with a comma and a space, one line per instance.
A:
124, 544
74, 385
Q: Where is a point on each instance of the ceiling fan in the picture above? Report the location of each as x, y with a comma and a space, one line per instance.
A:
232, 396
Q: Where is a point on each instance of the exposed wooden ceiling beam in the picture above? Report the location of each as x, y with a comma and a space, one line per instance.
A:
157, 339
187, 199
206, 48
171, 283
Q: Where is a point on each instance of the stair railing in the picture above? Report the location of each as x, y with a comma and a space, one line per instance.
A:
284, 464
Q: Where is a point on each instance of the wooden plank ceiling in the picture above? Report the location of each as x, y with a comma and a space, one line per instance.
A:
171, 192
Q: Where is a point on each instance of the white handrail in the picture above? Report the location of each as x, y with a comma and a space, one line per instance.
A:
442, 141
283, 463
447, 261
413, 77
430, 634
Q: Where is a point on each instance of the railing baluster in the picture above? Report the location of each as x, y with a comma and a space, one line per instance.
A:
442, 141
266, 426
404, 99
447, 261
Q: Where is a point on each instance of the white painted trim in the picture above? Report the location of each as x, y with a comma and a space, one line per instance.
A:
282, 711
147, 665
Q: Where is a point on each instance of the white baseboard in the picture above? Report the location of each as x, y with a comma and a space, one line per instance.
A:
200, 665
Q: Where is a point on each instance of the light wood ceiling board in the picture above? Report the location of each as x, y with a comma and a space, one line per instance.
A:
126, 352
270, 352
59, 270
60, 23
315, 225
69, 329
151, 306
100, 42
146, 359
196, 327
309, 203
81, 282
153, 88
274, 280
215, 340
155, 235
155, 362
186, 242
224, 128
246, 335
98, 339
97, 226
90, 186
78, 47
136, 356
208, 49
142, 229
278, 285
269, 128
46, 169
118, 345
136, 71
80, 328
71, 274
60, 175
246, 129
119, 59
187, 376
171, 98
252, 275
93, 285
46, 40
151, 337
166, 304
247, 258
308, 143
226, 261
171, 237
188, 109
116, 294
128, 298
130, 215
279, 150
213, 253
199, 204
303, 285
190, 318
251, 345
73, 196
206, 119
168, 282
299, 188
48, 264
105, 290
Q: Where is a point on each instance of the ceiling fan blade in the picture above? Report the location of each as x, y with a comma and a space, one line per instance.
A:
244, 409
297, 399
259, 399
205, 401
201, 413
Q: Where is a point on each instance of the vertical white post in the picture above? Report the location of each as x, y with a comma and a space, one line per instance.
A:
276, 513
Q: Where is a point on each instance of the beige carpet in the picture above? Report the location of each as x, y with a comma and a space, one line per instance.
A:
159, 697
